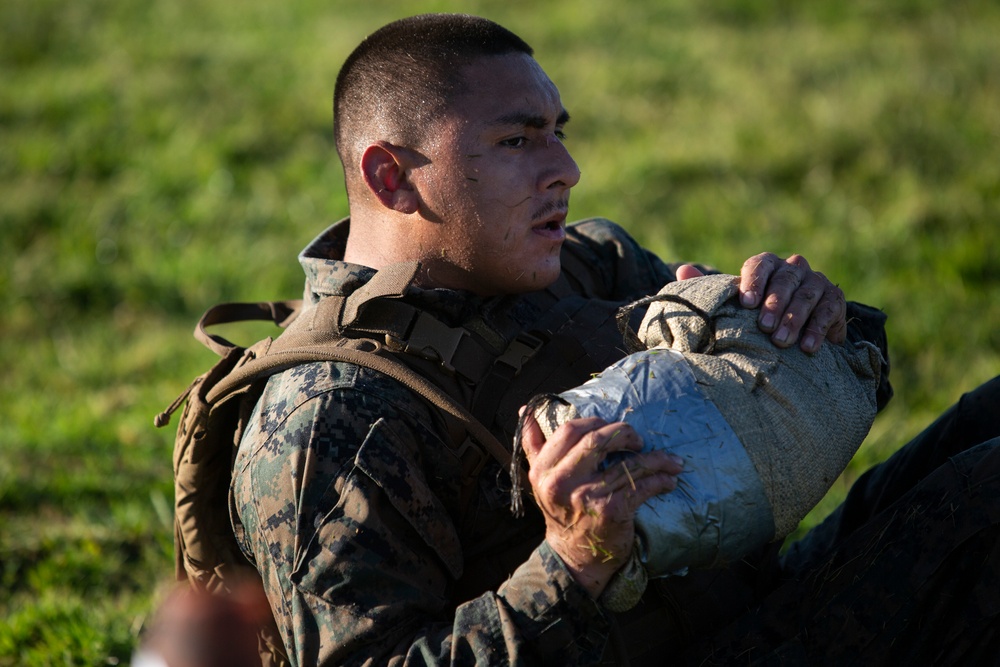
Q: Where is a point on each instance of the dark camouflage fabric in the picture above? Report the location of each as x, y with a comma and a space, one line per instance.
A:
351, 506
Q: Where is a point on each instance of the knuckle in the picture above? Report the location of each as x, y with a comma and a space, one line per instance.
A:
817, 327
760, 259
575, 430
808, 294
794, 320
596, 441
578, 497
786, 279
798, 261
626, 434
829, 309
545, 480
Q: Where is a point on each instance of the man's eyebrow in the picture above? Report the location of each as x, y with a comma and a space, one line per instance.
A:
524, 119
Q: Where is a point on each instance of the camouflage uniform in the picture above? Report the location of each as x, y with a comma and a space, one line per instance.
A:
349, 501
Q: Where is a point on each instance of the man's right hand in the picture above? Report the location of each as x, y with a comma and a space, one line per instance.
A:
590, 512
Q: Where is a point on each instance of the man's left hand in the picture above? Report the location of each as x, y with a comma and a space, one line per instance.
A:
796, 303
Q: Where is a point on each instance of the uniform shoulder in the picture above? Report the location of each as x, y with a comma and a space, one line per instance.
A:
334, 403
600, 230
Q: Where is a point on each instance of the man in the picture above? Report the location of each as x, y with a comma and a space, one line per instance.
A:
376, 538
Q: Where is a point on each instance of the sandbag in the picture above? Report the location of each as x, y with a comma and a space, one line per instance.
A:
763, 431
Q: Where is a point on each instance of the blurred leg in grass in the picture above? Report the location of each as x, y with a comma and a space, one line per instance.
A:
193, 629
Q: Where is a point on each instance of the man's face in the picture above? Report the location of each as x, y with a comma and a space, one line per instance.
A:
495, 192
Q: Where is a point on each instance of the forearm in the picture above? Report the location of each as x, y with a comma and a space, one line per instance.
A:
538, 615
363, 568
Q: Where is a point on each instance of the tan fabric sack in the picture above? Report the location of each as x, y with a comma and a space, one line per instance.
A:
764, 431
800, 417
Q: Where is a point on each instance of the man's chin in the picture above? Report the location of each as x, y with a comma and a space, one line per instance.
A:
541, 277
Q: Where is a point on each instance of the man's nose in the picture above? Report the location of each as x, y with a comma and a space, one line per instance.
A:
561, 170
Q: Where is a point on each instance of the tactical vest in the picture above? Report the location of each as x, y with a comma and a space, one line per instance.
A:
573, 336
475, 375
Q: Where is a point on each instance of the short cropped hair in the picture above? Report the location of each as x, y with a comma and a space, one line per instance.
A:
404, 75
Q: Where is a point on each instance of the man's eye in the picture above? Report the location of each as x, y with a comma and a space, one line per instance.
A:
514, 142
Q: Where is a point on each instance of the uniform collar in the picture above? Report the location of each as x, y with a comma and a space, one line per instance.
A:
326, 271
328, 274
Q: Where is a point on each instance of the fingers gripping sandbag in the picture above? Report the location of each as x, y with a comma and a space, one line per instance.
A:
763, 431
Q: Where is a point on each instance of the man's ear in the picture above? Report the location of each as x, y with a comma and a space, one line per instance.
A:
385, 168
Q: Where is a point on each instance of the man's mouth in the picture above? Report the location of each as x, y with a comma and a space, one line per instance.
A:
552, 224
550, 221
552, 227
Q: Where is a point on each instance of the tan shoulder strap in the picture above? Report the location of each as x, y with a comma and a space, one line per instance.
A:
316, 334
282, 313
376, 310
275, 361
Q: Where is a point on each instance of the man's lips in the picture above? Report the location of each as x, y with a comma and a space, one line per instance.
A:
550, 220
553, 227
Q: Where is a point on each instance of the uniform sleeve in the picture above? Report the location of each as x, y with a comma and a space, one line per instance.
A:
358, 549
626, 270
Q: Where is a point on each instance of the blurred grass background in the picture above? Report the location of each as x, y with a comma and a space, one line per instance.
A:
158, 157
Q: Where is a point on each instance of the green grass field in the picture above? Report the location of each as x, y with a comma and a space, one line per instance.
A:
159, 157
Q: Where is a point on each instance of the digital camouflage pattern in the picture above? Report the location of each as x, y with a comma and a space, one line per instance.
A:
348, 500
362, 550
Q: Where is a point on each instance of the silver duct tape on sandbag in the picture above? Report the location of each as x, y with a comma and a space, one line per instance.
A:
800, 416
719, 509
763, 431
